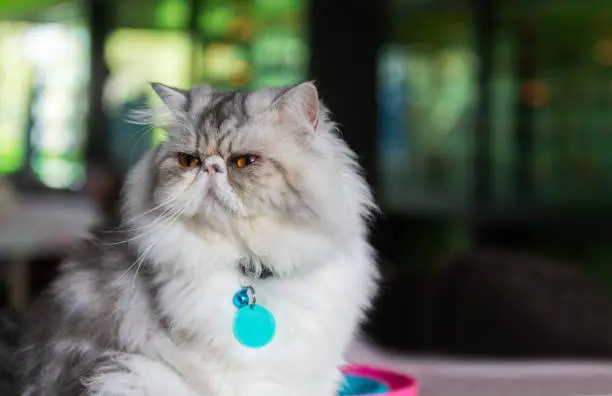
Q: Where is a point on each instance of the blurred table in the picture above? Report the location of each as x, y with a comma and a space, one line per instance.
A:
439, 376
39, 226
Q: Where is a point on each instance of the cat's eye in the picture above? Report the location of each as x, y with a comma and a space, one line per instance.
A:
244, 160
188, 161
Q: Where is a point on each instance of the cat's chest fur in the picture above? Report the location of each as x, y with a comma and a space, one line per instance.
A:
316, 314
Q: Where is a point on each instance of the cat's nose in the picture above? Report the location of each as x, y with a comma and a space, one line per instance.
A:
213, 165
211, 169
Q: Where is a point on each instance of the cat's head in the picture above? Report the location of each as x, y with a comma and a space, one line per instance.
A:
257, 166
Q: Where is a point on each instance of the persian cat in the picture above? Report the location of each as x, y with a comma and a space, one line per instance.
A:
241, 265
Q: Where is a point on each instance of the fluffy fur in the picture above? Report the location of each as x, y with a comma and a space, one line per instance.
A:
147, 309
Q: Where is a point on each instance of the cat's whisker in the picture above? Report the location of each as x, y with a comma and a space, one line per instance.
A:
142, 132
140, 258
129, 221
145, 226
149, 230
176, 217
172, 218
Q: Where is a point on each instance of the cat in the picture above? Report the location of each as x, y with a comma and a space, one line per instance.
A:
250, 188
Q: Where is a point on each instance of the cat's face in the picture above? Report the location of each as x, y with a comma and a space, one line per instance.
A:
232, 156
263, 170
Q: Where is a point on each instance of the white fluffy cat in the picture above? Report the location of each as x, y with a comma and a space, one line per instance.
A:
250, 188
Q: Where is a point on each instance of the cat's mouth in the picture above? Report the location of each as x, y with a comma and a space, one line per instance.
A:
218, 196
210, 192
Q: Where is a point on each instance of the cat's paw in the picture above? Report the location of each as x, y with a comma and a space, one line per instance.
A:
134, 375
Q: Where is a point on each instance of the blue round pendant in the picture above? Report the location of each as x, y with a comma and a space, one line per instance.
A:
254, 326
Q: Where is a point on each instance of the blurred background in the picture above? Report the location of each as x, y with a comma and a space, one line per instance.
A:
485, 127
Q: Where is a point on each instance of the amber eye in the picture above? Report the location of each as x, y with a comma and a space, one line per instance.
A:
244, 160
188, 161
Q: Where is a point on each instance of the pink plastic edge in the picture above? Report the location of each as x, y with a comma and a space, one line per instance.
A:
399, 384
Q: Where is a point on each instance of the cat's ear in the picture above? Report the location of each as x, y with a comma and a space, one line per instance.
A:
301, 104
174, 98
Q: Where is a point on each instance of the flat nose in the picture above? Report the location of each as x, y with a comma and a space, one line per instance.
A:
212, 169
214, 164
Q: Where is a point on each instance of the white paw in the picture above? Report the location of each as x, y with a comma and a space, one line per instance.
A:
134, 375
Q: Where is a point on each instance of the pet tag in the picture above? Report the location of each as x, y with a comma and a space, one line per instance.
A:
254, 325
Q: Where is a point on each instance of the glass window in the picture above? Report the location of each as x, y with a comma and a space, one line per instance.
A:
552, 95
253, 43
16, 75
427, 93
59, 56
44, 73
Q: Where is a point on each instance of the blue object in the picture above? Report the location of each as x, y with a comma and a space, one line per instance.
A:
241, 298
254, 326
355, 385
